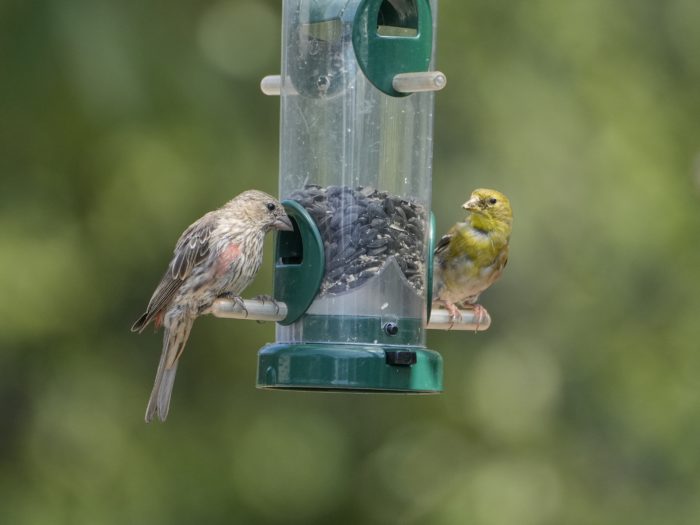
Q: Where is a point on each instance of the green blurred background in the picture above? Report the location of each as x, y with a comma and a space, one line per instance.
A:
122, 122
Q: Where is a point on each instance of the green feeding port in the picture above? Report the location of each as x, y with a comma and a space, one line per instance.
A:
392, 37
299, 263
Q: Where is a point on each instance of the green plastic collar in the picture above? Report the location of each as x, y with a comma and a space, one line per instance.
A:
350, 368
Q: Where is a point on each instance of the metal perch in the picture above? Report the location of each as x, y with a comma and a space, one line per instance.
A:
258, 310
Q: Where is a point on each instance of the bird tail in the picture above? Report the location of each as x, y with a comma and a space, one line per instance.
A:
174, 339
140, 323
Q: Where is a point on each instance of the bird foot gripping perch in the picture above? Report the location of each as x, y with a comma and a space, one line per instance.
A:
471, 320
250, 309
237, 300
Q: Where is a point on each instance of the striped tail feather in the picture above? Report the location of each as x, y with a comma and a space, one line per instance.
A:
140, 323
173, 343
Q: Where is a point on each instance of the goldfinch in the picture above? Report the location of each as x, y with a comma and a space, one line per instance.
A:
473, 253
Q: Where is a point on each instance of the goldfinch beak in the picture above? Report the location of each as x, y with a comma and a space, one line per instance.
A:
472, 204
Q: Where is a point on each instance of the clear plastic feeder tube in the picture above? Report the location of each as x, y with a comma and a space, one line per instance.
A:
359, 161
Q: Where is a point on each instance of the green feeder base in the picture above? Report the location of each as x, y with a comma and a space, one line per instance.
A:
350, 367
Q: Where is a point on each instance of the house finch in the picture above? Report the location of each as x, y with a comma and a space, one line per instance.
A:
218, 255
472, 255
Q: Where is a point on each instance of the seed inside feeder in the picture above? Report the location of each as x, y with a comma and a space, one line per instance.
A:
361, 229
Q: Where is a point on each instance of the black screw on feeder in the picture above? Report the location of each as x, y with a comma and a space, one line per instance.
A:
391, 328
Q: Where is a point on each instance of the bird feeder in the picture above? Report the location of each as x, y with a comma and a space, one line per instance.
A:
353, 280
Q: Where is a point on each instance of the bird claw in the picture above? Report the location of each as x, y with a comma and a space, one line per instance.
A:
236, 299
454, 314
479, 313
268, 298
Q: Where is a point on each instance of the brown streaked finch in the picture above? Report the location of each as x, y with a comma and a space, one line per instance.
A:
217, 256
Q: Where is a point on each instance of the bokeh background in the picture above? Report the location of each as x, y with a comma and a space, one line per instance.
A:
121, 122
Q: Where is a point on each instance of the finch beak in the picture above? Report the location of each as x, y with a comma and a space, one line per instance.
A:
283, 224
472, 204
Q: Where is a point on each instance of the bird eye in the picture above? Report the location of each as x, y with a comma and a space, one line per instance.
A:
492, 200
271, 206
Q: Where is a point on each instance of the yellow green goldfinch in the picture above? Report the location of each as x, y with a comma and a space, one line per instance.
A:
473, 253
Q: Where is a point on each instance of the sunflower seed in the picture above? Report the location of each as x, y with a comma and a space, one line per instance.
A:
362, 228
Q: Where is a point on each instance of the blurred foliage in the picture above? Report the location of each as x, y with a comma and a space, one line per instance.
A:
121, 122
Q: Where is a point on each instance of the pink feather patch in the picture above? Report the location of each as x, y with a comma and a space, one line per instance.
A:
228, 255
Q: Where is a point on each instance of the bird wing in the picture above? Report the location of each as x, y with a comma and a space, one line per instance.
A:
500, 264
192, 247
443, 243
